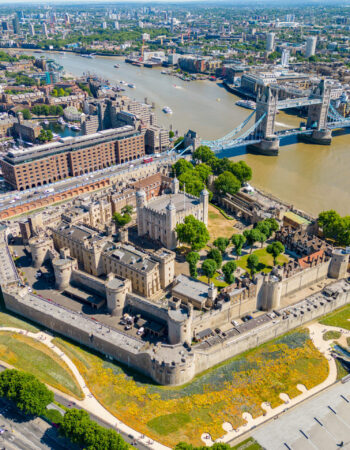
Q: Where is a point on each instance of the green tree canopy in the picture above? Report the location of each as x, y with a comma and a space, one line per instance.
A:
181, 166
121, 220
215, 254
192, 232
228, 270
252, 236
26, 114
81, 430
335, 227
238, 240
253, 264
275, 249
192, 258
127, 209
209, 267
29, 394
203, 153
221, 243
203, 171
192, 182
227, 183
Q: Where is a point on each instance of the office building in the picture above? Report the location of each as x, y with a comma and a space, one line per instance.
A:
270, 42
285, 57
4, 25
45, 30
44, 164
15, 25
310, 48
31, 29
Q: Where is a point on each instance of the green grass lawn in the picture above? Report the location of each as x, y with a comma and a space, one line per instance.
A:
248, 444
32, 356
218, 283
10, 320
330, 335
339, 318
220, 394
265, 260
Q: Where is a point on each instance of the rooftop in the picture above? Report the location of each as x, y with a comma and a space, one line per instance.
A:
182, 202
191, 288
296, 218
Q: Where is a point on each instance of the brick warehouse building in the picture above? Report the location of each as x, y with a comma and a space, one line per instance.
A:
44, 164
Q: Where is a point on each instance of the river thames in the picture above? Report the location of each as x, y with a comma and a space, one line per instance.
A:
312, 178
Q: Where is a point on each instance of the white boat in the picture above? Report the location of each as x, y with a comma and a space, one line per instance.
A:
123, 82
131, 85
116, 66
249, 104
46, 122
167, 110
76, 128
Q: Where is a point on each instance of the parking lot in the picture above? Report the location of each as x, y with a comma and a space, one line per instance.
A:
322, 423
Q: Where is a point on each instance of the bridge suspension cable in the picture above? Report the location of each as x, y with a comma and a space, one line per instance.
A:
230, 134
250, 135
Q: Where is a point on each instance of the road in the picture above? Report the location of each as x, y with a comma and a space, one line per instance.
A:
24, 434
42, 435
15, 198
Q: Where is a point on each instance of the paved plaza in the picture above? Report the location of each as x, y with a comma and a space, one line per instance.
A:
322, 423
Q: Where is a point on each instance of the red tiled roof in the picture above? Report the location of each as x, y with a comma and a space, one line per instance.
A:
305, 262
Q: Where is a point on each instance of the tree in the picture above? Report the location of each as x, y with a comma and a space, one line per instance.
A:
81, 430
253, 264
241, 170
127, 209
215, 254
192, 182
275, 249
181, 166
274, 226
171, 134
228, 270
45, 135
227, 183
264, 228
209, 268
121, 220
261, 238
28, 393
192, 232
221, 243
192, 258
203, 171
203, 153
252, 236
238, 240
26, 114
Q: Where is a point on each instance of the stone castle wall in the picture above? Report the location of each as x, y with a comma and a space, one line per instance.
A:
236, 345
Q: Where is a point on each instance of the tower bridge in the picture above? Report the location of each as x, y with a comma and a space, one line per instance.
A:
261, 136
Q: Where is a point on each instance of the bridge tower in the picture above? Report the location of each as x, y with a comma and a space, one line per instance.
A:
266, 105
317, 116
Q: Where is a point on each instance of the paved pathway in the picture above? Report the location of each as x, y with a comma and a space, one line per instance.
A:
316, 332
90, 403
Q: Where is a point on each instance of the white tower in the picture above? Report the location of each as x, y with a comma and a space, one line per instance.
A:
310, 46
270, 43
205, 205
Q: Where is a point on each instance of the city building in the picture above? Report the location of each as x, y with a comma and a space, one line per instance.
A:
270, 42
285, 57
310, 48
157, 218
43, 164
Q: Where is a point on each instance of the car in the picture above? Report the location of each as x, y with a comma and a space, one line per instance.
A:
127, 327
217, 330
30, 289
12, 201
234, 323
140, 331
2, 431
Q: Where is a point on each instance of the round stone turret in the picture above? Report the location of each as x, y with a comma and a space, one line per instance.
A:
116, 290
39, 248
140, 198
175, 185
338, 267
63, 269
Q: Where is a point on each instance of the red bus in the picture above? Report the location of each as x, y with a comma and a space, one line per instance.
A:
147, 160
